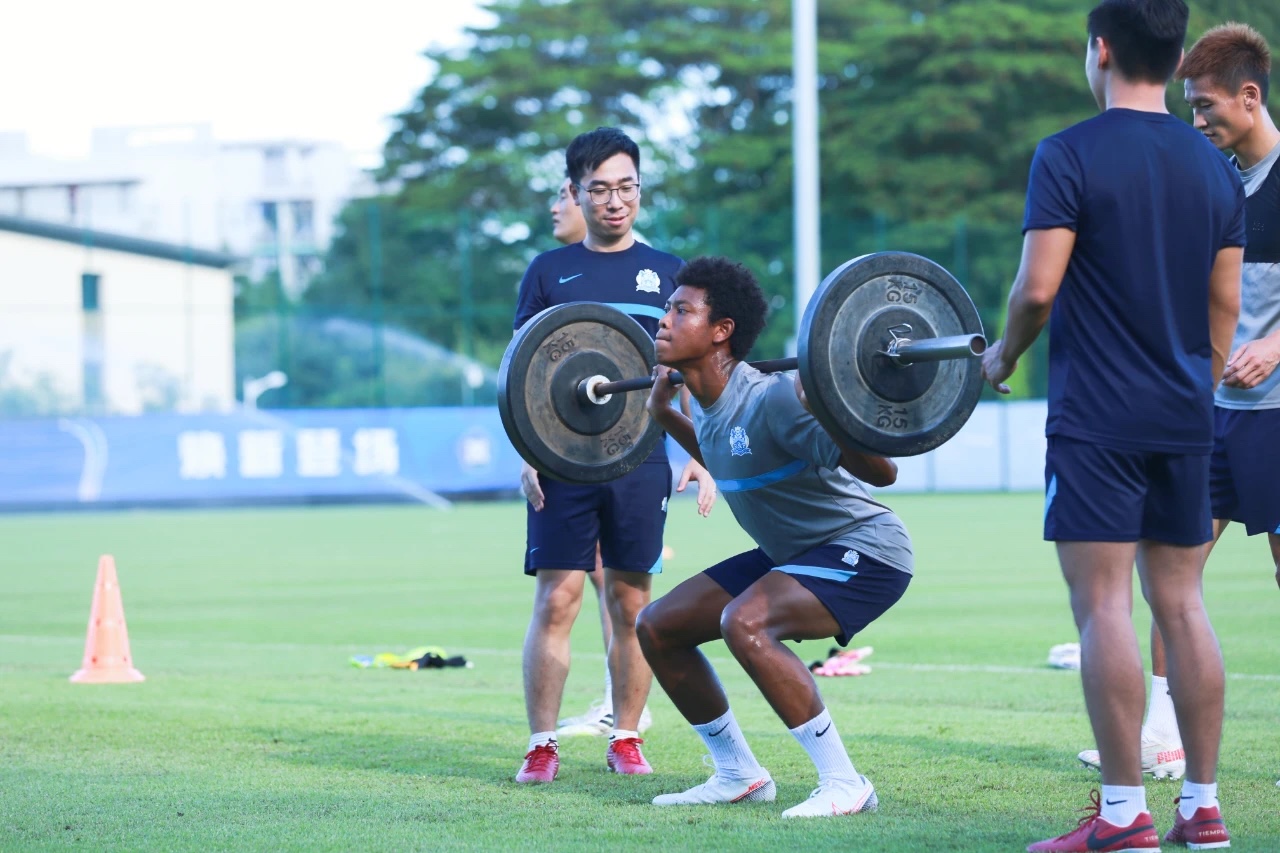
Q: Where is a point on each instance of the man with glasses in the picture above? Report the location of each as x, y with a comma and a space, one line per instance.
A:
568, 226
626, 516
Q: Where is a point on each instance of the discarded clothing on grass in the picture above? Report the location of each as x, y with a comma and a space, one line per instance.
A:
423, 657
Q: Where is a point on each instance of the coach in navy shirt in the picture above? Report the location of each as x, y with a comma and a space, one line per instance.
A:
1132, 253
626, 516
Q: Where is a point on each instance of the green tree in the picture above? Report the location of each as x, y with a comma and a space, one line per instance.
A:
930, 113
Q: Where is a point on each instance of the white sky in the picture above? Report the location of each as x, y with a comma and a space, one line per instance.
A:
255, 69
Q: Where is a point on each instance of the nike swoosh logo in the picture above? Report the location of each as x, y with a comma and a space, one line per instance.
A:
1098, 842
824, 731
1116, 802
722, 728
570, 278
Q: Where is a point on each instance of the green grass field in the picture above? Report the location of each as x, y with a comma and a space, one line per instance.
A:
253, 732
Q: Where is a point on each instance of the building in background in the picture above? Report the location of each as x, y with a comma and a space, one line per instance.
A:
93, 322
271, 204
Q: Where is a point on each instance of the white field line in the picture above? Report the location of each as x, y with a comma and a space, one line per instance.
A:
515, 652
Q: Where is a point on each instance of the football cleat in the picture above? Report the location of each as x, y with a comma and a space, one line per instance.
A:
720, 790
624, 756
836, 797
1095, 835
541, 764
1160, 758
597, 722
1204, 830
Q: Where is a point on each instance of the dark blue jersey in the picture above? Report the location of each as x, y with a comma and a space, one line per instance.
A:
637, 281
1151, 202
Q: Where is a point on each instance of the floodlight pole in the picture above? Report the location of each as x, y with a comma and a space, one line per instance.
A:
804, 144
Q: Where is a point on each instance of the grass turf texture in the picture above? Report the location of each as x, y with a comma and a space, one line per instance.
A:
252, 732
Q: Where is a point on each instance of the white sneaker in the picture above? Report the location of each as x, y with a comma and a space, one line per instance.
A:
595, 723
1161, 758
719, 790
837, 798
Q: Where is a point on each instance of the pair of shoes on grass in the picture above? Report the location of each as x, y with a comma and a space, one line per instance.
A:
831, 798
623, 756
1204, 830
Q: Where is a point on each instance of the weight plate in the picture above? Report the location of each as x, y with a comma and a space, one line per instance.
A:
871, 402
550, 425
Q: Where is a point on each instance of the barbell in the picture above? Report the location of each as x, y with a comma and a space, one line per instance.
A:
886, 351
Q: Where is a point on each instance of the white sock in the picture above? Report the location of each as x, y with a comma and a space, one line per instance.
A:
608, 689
1122, 803
543, 739
1161, 718
729, 750
821, 740
622, 734
1195, 795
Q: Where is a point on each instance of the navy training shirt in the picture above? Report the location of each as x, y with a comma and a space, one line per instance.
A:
1151, 202
638, 281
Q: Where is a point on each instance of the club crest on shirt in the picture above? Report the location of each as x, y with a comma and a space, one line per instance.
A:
648, 281
851, 557
739, 444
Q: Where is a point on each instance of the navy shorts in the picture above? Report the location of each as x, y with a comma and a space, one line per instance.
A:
856, 588
1244, 474
1095, 493
626, 516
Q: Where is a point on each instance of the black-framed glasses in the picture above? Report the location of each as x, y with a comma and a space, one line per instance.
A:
601, 195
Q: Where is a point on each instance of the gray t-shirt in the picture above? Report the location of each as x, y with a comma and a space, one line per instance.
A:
778, 470
1260, 280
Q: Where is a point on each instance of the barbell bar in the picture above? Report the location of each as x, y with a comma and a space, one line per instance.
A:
903, 351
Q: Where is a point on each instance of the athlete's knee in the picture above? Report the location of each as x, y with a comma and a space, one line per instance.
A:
557, 605
625, 605
744, 624
653, 630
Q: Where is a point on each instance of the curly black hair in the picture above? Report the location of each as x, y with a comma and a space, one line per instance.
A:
732, 291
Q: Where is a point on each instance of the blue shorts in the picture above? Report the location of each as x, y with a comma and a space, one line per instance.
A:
626, 516
856, 588
1244, 474
1095, 493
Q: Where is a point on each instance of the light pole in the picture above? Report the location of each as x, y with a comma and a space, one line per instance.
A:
255, 388
804, 147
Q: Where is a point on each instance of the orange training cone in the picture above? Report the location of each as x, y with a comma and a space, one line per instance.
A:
106, 647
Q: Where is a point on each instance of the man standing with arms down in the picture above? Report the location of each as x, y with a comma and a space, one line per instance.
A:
1226, 78
1133, 245
568, 227
625, 516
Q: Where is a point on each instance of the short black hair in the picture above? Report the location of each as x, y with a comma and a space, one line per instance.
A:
1145, 36
733, 292
588, 150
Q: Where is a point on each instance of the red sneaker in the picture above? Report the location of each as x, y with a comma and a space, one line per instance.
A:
624, 757
1095, 835
541, 764
1204, 830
